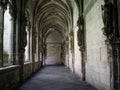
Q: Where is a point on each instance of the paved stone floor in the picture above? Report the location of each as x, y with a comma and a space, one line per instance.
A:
55, 78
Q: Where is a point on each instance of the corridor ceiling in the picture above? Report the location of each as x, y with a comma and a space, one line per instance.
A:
50, 15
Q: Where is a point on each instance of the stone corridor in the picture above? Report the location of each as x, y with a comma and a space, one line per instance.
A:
83, 35
55, 78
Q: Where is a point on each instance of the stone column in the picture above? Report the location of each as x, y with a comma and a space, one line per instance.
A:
110, 30
81, 42
21, 34
34, 36
116, 63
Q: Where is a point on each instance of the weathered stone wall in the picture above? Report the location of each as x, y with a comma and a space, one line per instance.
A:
27, 70
97, 65
53, 53
53, 46
37, 65
9, 77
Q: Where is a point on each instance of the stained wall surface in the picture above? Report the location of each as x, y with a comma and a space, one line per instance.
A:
97, 64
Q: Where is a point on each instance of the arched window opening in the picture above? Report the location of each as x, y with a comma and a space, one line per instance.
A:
27, 29
27, 46
5, 34
7, 37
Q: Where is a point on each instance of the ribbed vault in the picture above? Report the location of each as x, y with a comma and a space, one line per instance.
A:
55, 14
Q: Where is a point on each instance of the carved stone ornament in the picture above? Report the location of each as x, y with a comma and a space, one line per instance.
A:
80, 31
12, 9
4, 3
107, 17
24, 34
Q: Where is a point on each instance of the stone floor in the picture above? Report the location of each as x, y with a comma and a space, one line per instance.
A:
55, 78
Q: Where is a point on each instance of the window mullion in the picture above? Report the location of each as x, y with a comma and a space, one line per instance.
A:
3, 11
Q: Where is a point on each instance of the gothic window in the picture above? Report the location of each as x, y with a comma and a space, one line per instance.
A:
27, 29
27, 46
7, 38
5, 34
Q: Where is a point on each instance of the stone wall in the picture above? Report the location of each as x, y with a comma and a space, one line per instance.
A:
53, 54
97, 65
53, 48
27, 70
9, 77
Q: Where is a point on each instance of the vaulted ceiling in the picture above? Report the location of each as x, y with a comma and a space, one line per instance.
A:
53, 15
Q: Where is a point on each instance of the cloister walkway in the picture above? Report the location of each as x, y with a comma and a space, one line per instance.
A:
55, 78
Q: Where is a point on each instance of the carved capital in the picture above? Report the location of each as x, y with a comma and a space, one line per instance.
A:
107, 17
